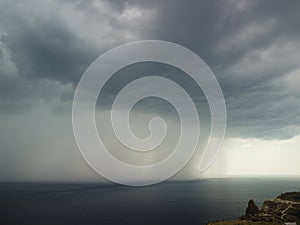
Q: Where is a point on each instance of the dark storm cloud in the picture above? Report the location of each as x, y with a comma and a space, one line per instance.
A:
46, 46
252, 46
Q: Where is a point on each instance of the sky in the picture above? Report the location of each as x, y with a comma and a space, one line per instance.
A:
251, 46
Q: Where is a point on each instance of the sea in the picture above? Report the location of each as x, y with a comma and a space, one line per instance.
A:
176, 202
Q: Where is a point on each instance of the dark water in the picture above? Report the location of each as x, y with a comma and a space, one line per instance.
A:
185, 203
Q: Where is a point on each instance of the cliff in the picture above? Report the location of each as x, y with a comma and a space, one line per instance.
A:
283, 209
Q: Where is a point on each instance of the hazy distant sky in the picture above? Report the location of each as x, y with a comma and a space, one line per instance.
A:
253, 47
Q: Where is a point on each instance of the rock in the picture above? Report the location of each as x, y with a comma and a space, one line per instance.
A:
284, 209
252, 208
290, 196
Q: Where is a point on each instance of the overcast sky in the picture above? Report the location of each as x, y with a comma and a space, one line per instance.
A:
253, 47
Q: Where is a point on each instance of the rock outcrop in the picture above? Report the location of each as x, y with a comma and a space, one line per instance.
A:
282, 210
285, 208
252, 209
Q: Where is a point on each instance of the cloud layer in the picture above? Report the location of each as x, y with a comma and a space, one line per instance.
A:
252, 46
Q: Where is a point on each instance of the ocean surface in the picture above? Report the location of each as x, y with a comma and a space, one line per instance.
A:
184, 203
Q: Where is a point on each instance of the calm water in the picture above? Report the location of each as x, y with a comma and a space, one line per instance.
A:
183, 203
